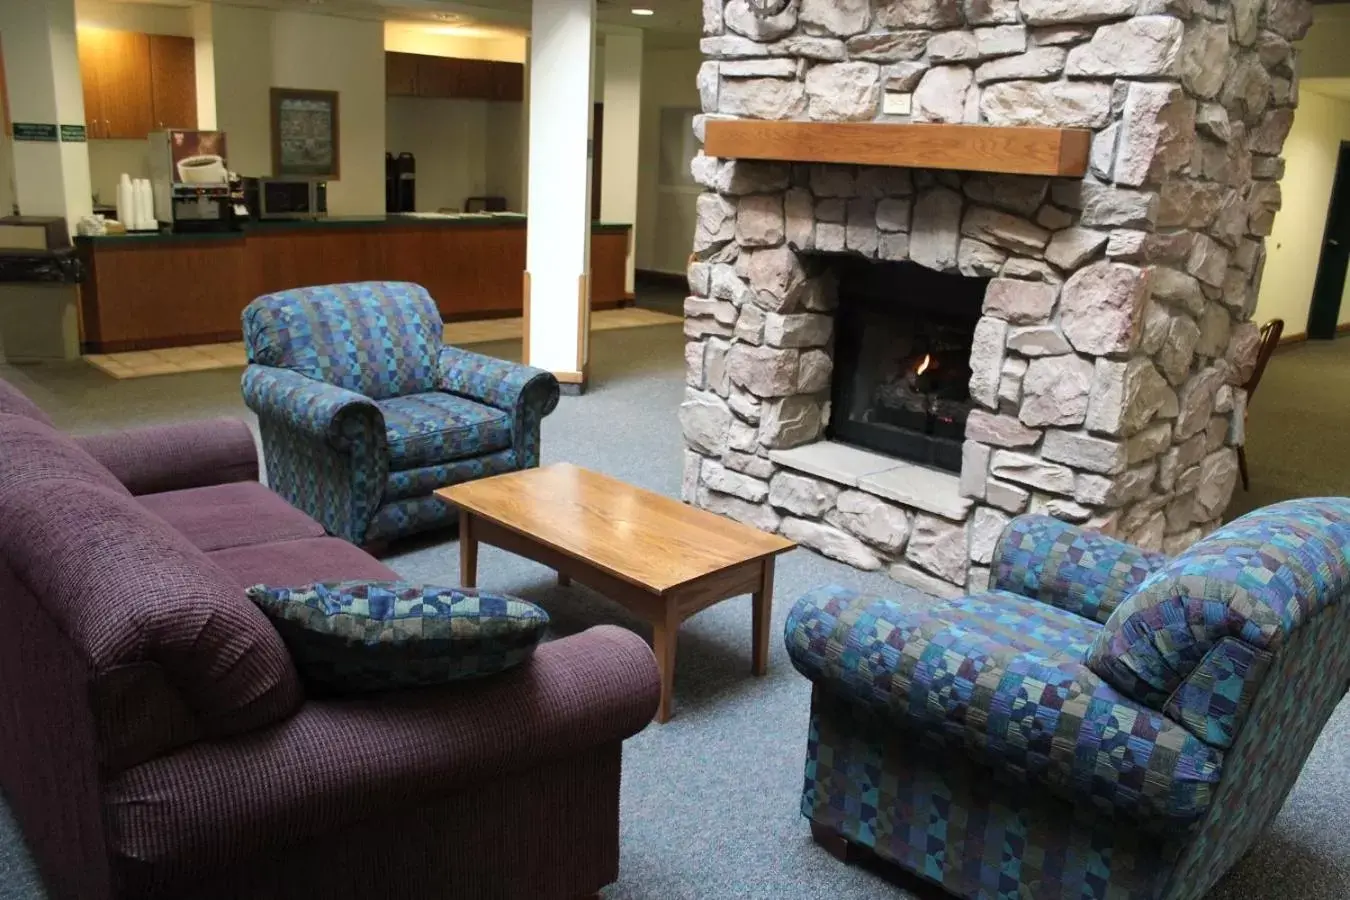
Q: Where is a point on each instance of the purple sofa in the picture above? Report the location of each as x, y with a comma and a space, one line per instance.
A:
155, 740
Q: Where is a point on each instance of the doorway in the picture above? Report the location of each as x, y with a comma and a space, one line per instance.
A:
1325, 311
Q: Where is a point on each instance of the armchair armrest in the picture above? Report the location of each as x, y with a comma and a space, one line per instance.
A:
1078, 570
527, 393
173, 457
342, 761
325, 447
317, 409
952, 679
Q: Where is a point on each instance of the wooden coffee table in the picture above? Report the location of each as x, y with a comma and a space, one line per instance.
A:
661, 559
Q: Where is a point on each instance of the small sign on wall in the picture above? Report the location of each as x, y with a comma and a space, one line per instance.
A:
72, 134
41, 132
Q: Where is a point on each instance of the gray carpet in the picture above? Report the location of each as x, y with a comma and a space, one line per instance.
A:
710, 800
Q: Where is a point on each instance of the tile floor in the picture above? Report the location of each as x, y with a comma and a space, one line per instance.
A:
176, 360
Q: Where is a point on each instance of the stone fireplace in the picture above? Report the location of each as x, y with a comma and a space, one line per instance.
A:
886, 364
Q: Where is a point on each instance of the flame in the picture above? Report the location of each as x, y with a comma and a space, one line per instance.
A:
923, 366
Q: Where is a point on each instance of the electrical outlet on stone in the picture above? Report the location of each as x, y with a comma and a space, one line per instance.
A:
897, 104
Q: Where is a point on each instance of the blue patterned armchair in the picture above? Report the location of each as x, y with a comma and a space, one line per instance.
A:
1102, 723
364, 412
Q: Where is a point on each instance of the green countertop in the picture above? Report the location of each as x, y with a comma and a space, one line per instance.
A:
447, 220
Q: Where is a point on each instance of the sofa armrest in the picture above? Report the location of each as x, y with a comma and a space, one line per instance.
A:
342, 761
322, 411
173, 457
1074, 568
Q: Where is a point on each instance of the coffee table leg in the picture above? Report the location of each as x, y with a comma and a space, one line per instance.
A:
468, 550
663, 646
759, 622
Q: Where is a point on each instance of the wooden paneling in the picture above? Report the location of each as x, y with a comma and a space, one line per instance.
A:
173, 81
124, 83
178, 291
609, 258
400, 74
972, 148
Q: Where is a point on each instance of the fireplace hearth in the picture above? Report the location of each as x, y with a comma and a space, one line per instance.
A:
902, 359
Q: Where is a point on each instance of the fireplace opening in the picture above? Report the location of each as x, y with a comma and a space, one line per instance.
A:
903, 337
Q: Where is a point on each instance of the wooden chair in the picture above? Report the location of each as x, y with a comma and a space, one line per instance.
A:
1270, 339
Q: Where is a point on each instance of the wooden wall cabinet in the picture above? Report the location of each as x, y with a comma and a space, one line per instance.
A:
415, 75
173, 81
136, 83
400, 74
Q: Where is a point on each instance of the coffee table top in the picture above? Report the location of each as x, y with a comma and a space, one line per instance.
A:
644, 538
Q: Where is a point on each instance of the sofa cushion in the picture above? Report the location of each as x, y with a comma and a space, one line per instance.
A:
999, 678
32, 451
425, 429
128, 590
294, 563
231, 515
1256, 580
377, 338
14, 402
360, 636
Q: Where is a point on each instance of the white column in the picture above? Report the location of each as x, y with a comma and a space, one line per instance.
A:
42, 69
619, 166
558, 242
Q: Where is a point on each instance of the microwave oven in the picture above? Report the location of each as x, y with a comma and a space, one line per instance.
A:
292, 198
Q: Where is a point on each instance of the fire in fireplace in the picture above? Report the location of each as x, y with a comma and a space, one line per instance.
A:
903, 337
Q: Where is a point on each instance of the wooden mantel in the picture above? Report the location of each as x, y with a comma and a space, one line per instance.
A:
1013, 150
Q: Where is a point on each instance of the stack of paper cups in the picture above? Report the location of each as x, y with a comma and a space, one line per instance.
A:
124, 207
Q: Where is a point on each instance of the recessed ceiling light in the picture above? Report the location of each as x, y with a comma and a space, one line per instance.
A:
642, 11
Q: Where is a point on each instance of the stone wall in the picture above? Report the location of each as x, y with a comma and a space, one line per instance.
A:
1116, 329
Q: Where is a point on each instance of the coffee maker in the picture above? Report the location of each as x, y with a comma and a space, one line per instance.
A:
192, 185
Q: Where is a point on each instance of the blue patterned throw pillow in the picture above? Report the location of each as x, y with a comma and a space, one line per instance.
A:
359, 636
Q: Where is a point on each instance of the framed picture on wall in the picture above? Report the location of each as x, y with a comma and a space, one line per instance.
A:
305, 133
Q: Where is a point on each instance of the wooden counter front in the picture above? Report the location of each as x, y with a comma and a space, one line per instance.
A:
176, 290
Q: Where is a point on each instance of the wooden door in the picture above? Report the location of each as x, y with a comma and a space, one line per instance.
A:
508, 82
124, 84
89, 45
597, 158
4, 95
1329, 286
400, 74
173, 81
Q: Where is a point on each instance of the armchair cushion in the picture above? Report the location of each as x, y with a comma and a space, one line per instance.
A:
1255, 580
999, 677
1082, 571
426, 429
376, 338
359, 636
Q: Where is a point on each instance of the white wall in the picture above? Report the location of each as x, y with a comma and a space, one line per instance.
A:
242, 54
505, 176
403, 37
316, 52
665, 233
150, 18
1295, 245
450, 141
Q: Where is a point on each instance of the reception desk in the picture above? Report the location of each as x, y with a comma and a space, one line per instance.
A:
142, 292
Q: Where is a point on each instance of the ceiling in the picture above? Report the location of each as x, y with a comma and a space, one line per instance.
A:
676, 22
